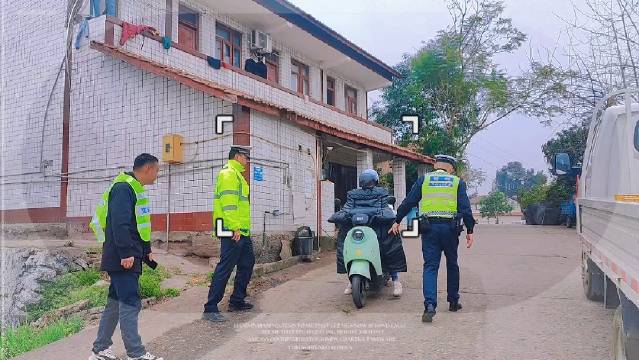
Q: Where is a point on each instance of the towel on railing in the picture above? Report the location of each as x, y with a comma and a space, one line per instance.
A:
130, 31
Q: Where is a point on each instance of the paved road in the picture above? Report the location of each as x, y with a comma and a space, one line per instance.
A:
522, 297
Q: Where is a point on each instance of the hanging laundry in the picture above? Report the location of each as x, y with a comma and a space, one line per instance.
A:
213, 62
166, 42
96, 8
130, 31
249, 65
110, 7
83, 31
261, 69
101, 7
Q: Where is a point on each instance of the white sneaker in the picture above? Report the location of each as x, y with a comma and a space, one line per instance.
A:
147, 356
349, 289
106, 354
397, 288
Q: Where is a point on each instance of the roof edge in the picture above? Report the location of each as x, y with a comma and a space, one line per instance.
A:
307, 22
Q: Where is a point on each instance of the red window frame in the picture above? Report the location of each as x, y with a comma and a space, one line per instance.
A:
231, 48
350, 101
330, 90
189, 26
301, 74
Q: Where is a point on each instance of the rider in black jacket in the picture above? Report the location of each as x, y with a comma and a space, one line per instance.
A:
373, 200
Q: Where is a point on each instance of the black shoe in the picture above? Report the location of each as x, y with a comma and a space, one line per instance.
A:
214, 316
429, 313
454, 306
243, 306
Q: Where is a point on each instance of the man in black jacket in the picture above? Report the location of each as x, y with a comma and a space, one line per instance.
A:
123, 252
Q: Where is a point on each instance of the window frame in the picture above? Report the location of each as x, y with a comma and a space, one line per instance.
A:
636, 137
353, 101
273, 59
301, 78
222, 42
330, 81
190, 26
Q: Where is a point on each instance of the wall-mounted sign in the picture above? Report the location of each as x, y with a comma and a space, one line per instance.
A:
258, 173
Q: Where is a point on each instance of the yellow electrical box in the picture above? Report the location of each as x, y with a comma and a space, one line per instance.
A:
172, 149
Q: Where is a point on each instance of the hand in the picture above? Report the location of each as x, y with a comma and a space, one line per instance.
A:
469, 240
394, 229
236, 235
150, 256
128, 262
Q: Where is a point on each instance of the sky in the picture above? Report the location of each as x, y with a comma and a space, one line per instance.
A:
389, 28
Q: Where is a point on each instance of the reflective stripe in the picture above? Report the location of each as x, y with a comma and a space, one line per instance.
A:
229, 207
441, 195
144, 225
244, 198
443, 214
227, 192
142, 195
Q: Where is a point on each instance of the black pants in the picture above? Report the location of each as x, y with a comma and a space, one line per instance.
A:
232, 254
442, 237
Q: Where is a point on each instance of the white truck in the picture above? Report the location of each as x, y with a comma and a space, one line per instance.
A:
608, 215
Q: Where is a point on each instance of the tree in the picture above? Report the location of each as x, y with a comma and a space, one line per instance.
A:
513, 178
571, 141
457, 89
602, 52
494, 204
474, 178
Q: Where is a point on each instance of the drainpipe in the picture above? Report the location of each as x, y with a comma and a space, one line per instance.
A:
318, 181
168, 209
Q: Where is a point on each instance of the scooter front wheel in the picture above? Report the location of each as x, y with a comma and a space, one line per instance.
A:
358, 282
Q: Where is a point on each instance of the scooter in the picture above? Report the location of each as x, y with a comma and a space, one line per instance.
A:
363, 260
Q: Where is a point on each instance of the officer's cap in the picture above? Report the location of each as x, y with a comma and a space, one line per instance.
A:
446, 159
242, 149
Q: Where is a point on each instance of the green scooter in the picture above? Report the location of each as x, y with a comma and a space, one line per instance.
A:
362, 259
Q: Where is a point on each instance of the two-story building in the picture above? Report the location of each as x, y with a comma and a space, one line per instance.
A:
297, 91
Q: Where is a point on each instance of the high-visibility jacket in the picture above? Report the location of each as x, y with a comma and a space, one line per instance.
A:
142, 210
231, 199
439, 195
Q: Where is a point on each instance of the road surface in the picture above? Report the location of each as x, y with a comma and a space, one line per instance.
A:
520, 287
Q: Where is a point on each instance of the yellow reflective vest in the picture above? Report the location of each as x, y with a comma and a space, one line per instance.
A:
439, 195
231, 199
142, 210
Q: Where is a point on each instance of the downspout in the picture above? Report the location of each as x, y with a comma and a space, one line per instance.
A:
168, 208
318, 181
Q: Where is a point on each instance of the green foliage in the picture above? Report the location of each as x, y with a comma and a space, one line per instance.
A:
552, 194
571, 141
68, 289
513, 178
494, 205
454, 84
25, 338
151, 280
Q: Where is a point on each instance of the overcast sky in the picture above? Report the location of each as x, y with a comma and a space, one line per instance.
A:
389, 28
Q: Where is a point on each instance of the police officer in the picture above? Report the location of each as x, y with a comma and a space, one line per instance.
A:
442, 202
232, 212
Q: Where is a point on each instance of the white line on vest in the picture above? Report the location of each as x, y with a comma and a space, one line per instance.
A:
219, 229
413, 229
219, 122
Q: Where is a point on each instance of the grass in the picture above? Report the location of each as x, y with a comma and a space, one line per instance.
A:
69, 289
25, 338
66, 290
150, 283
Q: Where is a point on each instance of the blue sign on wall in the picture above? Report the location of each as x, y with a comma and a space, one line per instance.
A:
258, 173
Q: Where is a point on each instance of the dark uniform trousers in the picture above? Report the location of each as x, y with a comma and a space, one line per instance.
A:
442, 236
232, 254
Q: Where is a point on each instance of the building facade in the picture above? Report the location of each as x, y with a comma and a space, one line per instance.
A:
71, 123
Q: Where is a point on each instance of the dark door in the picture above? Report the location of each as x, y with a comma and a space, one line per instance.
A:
345, 179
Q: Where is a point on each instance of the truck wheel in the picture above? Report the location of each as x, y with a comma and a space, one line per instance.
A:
593, 281
358, 282
619, 337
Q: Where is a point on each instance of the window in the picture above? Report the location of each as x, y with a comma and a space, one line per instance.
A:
188, 27
637, 136
272, 67
228, 45
350, 97
330, 91
299, 77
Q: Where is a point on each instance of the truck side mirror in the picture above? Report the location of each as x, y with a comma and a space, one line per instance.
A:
562, 164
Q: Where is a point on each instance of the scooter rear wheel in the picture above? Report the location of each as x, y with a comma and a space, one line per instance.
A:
358, 282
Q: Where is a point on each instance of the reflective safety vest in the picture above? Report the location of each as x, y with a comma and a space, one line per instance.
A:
142, 210
231, 199
439, 195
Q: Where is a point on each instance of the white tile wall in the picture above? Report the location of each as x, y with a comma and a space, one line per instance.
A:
328, 208
33, 48
399, 180
289, 174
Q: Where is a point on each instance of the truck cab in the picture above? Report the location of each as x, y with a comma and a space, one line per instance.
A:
607, 205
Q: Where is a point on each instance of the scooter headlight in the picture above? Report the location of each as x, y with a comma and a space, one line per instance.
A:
358, 235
